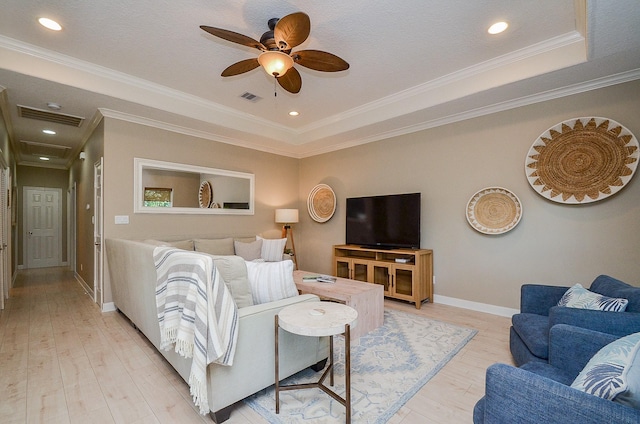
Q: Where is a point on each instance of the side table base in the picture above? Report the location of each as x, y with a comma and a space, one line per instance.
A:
346, 401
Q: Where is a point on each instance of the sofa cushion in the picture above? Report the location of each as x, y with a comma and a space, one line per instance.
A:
248, 251
234, 273
178, 244
549, 371
272, 249
609, 286
581, 298
215, 246
533, 329
614, 372
271, 281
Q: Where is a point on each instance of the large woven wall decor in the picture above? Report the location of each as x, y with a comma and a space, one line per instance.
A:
321, 203
494, 210
582, 160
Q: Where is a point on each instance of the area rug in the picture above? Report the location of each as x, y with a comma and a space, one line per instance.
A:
388, 366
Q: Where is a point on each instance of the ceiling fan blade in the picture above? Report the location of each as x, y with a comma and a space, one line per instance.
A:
291, 81
241, 67
320, 61
234, 37
292, 30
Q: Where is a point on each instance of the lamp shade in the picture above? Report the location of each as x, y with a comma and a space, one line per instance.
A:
286, 216
275, 63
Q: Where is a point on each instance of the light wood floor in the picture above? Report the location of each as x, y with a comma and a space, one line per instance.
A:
63, 361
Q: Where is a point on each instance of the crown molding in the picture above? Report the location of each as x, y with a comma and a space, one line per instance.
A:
207, 135
594, 84
35, 61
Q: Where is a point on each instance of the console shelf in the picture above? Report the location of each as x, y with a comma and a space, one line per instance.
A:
405, 274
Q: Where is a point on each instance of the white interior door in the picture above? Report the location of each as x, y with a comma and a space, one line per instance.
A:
43, 223
97, 233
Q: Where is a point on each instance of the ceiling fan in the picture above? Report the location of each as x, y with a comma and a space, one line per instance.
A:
276, 58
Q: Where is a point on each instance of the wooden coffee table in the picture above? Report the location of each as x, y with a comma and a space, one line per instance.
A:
366, 298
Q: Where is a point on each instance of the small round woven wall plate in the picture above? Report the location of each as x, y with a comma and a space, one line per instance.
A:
494, 210
205, 194
321, 203
582, 160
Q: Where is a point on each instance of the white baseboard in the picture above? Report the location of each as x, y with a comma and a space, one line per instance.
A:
84, 285
475, 306
108, 307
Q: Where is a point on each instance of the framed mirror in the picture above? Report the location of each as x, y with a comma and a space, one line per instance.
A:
189, 189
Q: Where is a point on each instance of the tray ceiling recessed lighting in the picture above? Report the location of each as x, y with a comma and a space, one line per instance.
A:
44, 158
50, 23
497, 28
50, 132
294, 113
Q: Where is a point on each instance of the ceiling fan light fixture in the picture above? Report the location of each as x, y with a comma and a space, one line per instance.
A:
275, 63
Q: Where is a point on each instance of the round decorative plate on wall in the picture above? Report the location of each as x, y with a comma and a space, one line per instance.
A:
205, 194
321, 203
582, 160
494, 210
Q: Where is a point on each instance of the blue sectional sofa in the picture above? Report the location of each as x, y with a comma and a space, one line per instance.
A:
540, 392
529, 334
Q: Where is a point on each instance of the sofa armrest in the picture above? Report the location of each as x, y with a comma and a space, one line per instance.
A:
514, 395
259, 309
538, 298
616, 323
570, 348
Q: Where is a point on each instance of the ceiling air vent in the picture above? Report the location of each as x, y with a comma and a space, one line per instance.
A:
251, 97
43, 149
45, 115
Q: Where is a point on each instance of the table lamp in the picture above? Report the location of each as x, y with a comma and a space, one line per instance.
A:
288, 217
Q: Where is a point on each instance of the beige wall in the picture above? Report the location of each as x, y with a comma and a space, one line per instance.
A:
554, 243
81, 173
276, 184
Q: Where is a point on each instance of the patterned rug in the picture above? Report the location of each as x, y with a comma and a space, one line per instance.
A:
388, 367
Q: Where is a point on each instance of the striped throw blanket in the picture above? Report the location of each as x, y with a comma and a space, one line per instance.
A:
196, 313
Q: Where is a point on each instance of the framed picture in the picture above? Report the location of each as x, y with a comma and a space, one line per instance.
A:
158, 197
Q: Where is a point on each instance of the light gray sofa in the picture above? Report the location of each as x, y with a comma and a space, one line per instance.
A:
133, 283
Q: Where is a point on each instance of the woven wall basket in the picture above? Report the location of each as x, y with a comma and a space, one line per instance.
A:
494, 210
582, 160
321, 203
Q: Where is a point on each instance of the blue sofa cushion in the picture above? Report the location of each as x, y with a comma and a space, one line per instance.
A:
533, 329
549, 371
613, 372
611, 287
581, 298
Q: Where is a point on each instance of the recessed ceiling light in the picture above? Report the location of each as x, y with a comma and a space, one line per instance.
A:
294, 113
54, 106
50, 23
50, 132
498, 27
44, 158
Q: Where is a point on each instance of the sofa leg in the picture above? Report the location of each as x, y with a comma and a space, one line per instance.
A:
221, 415
319, 366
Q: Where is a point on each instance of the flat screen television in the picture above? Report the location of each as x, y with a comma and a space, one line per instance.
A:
387, 222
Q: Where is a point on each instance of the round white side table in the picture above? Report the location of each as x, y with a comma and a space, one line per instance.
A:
319, 319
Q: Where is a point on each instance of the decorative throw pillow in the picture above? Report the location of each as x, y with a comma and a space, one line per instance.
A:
234, 273
271, 281
215, 246
614, 372
272, 249
581, 298
248, 251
